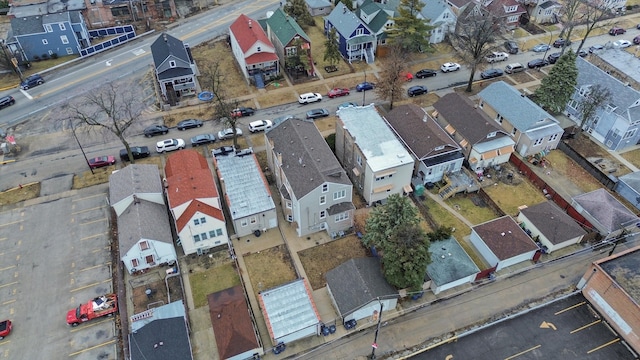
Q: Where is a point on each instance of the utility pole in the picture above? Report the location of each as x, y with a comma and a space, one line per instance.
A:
73, 130
374, 346
364, 91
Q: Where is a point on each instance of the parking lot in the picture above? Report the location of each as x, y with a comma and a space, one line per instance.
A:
53, 256
565, 329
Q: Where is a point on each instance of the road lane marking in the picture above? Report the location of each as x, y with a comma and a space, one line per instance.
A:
138, 52
95, 267
26, 94
91, 348
8, 284
9, 302
586, 326
604, 345
3, 239
10, 223
522, 352
570, 307
86, 197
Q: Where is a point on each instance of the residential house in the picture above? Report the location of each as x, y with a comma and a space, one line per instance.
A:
483, 142
358, 289
533, 129
287, 36
355, 40
551, 226
160, 333
450, 266
616, 6
503, 243
315, 191
376, 161
253, 50
378, 17
547, 12
246, 192
618, 63
290, 312
441, 18
628, 186
144, 233
194, 202
233, 327
434, 150
459, 6
117, 12
175, 68
318, 7
607, 215
616, 123
508, 12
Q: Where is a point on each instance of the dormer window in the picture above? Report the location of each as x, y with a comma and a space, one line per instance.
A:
491, 134
611, 108
172, 64
441, 147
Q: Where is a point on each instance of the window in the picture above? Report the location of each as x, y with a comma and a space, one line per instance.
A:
212, 233
196, 238
323, 200
499, 118
218, 232
323, 214
290, 218
62, 27
258, 49
45, 42
144, 245
513, 132
573, 104
359, 31
359, 159
538, 142
290, 51
69, 51
288, 204
325, 188
513, 18
150, 260
253, 220
135, 263
48, 28
339, 194
196, 221
172, 64
203, 236
203, 220
341, 217
629, 134
244, 223
491, 134
553, 137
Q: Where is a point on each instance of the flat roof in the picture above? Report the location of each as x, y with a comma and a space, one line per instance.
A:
624, 269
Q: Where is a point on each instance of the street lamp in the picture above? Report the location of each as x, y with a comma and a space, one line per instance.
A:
364, 90
374, 346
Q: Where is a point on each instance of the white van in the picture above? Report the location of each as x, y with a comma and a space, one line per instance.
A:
260, 125
309, 98
514, 68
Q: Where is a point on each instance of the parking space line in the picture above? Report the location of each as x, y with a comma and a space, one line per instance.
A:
570, 307
91, 324
4, 342
584, 327
86, 210
100, 249
84, 287
86, 197
8, 284
8, 267
3, 239
10, 223
93, 236
522, 352
93, 267
91, 348
604, 345
9, 302
94, 221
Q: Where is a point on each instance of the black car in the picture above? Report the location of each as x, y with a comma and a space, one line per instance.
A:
155, 130
243, 111
491, 73
424, 73
317, 113
189, 124
224, 150
537, 63
31, 81
7, 101
138, 152
202, 139
511, 46
596, 47
417, 90
560, 42
551, 59
583, 53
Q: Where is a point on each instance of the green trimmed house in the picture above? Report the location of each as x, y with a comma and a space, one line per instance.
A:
378, 17
285, 33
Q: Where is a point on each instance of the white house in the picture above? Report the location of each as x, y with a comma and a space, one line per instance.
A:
252, 49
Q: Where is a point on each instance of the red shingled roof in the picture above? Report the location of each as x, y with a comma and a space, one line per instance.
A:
247, 32
194, 207
188, 178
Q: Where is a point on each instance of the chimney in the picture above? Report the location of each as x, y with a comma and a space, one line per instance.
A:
164, 36
250, 25
136, 200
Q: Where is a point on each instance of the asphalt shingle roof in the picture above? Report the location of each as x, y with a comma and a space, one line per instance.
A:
231, 320
166, 46
165, 339
134, 179
603, 207
344, 20
552, 222
505, 238
285, 27
143, 220
449, 262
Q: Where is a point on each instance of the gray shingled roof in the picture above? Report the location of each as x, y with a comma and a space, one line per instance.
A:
449, 262
172, 333
624, 97
307, 160
316, 4
134, 179
519, 110
548, 4
603, 207
344, 20
356, 283
632, 180
166, 46
433, 9
419, 132
552, 222
26, 25
143, 220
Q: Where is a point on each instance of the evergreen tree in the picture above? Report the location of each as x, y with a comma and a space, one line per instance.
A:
410, 30
347, 3
332, 53
297, 9
555, 89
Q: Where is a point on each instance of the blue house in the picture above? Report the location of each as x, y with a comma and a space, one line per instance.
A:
628, 186
356, 41
48, 35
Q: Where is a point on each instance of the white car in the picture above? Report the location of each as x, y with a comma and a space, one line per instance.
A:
169, 145
228, 133
450, 66
309, 98
497, 56
621, 43
260, 125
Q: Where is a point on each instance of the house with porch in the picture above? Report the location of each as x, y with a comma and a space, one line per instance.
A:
378, 17
253, 50
547, 12
441, 17
355, 40
288, 38
175, 68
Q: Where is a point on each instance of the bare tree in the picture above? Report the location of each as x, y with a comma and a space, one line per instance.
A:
596, 97
594, 16
394, 66
579, 12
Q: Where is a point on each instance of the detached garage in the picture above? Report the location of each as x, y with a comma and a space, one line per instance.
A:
552, 226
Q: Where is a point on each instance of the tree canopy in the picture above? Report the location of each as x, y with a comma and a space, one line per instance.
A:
332, 53
410, 31
596, 97
297, 9
556, 88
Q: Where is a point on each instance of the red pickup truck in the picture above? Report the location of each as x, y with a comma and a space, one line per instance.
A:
105, 305
5, 328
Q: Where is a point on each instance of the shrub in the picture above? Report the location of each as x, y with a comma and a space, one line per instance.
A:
36, 58
45, 56
54, 56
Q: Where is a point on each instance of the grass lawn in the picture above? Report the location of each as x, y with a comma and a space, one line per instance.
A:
465, 206
316, 34
212, 280
269, 268
325, 124
509, 197
443, 217
572, 171
17, 194
11, 79
633, 157
86, 178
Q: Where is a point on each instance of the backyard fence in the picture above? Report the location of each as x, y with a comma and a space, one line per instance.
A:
609, 181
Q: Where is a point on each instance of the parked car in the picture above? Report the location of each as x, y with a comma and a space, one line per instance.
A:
596, 47
621, 44
364, 86
335, 92
617, 31
169, 145
552, 58
583, 53
223, 150
560, 42
242, 111
317, 113
31, 81
537, 63
154, 130
450, 66
636, 40
491, 73
5, 328
417, 90
514, 68
511, 46
7, 101
541, 48
260, 125
309, 98
138, 152
202, 139
189, 124
101, 161
425, 73
228, 133
496, 56
347, 104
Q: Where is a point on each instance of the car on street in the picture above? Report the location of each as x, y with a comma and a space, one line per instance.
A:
228, 133
317, 113
202, 139
31, 81
617, 31
260, 125
169, 145
425, 73
102, 161
552, 58
497, 56
5, 328
138, 152
541, 48
621, 44
537, 63
189, 124
335, 92
242, 111
596, 47
347, 104
7, 101
417, 90
364, 86
450, 66
491, 73
583, 53
636, 40
560, 42
154, 130
223, 150
511, 46
309, 98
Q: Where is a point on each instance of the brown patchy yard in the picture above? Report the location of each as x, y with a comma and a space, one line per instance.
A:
589, 149
509, 197
17, 194
213, 52
316, 34
273, 98
269, 268
99, 176
633, 157
320, 259
566, 167
326, 124
142, 301
472, 207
